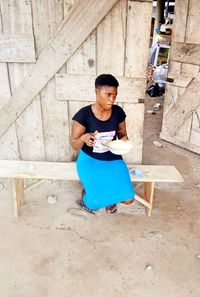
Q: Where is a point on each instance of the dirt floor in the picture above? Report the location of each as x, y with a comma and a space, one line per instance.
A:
58, 250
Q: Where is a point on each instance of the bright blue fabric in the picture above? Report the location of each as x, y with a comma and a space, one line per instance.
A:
105, 182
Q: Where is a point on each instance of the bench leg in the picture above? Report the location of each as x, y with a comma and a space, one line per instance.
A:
148, 196
18, 195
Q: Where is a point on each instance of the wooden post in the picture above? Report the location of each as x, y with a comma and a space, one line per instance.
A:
18, 195
148, 196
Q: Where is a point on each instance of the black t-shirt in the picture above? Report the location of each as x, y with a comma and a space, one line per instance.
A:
107, 131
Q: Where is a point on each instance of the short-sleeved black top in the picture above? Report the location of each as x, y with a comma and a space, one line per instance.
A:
107, 131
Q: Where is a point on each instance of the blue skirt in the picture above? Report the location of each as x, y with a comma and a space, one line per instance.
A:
105, 182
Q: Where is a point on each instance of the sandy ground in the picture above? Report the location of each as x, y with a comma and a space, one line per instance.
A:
58, 250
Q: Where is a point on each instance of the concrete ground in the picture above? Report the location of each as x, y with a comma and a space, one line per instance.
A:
58, 250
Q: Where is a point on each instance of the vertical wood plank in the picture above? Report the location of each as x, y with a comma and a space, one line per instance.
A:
9, 148
30, 137
4, 85
138, 37
137, 50
134, 122
17, 73
48, 15
16, 16
111, 36
29, 124
180, 20
4, 78
192, 31
83, 61
9, 145
55, 123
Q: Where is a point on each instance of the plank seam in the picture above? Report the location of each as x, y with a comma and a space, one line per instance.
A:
33, 32
188, 8
17, 136
9, 81
96, 64
42, 124
125, 40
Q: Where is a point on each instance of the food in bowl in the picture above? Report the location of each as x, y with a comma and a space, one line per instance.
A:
119, 147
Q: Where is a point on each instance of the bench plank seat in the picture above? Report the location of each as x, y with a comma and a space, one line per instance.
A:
20, 170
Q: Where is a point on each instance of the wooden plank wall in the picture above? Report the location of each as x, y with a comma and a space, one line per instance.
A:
117, 45
70, 35
17, 19
184, 61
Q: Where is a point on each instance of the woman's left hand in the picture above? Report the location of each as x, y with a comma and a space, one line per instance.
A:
125, 138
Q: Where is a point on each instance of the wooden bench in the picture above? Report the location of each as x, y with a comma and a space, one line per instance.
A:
20, 170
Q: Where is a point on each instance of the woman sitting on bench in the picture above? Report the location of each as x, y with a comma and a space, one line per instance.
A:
104, 175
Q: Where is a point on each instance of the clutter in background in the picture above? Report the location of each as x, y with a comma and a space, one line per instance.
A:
159, 53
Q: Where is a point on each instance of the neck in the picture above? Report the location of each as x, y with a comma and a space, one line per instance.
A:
100, 112
98, 108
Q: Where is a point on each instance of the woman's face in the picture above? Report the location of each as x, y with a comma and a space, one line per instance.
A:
106, 96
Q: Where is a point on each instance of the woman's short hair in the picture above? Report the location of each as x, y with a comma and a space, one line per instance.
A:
106, 80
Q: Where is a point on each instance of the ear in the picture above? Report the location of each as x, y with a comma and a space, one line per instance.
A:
97, 90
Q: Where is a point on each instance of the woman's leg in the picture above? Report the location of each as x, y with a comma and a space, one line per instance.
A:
111, 208
128, 202
82, 204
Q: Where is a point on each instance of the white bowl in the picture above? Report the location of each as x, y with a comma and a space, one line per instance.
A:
119, 147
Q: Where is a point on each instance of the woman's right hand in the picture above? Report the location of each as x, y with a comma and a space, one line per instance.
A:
88, 138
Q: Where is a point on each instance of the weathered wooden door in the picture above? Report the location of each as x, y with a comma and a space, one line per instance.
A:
181, 119
65, 44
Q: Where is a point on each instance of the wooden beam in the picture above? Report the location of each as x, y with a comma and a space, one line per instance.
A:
76, 27
148, 196
182, 109
35, 184
142, 201
130, 89
17, 48
185, 53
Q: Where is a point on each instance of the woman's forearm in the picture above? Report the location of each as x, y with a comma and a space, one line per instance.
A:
78, 143
87, 138
122, 135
